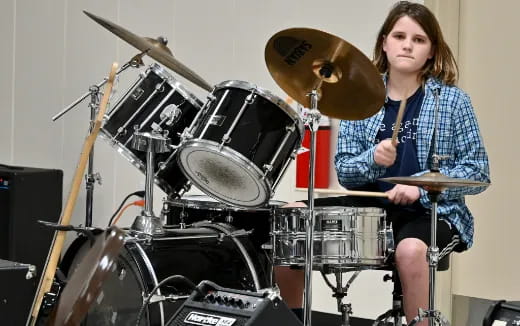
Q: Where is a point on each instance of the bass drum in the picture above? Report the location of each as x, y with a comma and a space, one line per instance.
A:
203, 251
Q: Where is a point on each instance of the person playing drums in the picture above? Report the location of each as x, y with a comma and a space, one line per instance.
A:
417, 66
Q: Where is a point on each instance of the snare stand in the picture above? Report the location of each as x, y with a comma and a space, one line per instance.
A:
340, 292
147, 223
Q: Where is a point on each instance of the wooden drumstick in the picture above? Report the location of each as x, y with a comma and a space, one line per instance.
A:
57, 245
353, 193
398, 120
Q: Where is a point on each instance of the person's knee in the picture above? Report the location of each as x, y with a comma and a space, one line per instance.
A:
410, 253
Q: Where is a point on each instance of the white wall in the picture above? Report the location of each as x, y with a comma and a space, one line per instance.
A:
488, 53
52, 53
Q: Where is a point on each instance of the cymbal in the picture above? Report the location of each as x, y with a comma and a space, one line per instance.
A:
303, 59
156, 51
85, 283
434, 181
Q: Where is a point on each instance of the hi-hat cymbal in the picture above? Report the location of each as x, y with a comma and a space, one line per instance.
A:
434, 181
156, 51
303, 59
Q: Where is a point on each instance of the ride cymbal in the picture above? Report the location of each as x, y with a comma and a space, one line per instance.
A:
155, 50
303, 59
434, 181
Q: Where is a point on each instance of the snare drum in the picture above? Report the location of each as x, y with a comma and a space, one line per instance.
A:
156, 102
242, 145
343, 236
205, 251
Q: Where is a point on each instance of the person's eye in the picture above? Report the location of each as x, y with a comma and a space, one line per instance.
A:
399, 36
420, 40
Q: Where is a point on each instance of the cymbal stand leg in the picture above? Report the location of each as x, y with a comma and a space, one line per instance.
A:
91, 177
434, 316
313, 119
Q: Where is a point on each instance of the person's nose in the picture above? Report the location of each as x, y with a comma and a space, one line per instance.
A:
407, 45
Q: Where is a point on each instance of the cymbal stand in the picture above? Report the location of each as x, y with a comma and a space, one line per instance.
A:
90, 177
431, 314
340, 292
434, 193
147, 223
313, 120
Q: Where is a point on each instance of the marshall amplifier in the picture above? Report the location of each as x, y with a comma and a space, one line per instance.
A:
212, 305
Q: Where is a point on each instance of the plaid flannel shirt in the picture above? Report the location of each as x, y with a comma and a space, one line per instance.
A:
458, 138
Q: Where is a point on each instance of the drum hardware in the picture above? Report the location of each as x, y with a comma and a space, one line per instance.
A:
151, 143
226, 138
90, 177
59, 239
122, 129
341, 78
156, 51
340, 292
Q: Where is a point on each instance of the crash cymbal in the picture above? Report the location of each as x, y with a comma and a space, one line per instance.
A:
156, 51
85, 283
303, 59
434, 181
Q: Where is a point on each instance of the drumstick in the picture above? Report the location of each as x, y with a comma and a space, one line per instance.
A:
398, 120
54, 255
352, 192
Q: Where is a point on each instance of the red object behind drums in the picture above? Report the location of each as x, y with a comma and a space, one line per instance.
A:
321, 177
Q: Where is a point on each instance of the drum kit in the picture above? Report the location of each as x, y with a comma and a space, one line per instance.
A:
235, 147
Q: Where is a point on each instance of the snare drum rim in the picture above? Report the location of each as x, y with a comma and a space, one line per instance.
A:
234, 156
247, 86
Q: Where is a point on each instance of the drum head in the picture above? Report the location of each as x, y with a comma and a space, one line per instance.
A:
224, 174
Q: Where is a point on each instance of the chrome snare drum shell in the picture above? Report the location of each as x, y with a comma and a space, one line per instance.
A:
343, 237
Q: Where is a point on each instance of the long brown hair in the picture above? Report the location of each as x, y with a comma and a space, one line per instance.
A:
442, 65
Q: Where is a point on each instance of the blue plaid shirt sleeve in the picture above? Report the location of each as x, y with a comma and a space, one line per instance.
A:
354, 158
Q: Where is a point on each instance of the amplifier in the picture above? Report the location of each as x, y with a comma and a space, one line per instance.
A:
26, 196
212, 305
503, 313
17, 283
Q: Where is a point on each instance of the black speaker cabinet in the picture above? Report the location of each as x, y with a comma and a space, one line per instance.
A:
17, 284
26, 196
213, 305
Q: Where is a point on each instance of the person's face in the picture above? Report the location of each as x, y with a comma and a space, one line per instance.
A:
407, 46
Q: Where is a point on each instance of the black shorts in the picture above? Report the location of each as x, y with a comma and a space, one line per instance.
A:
406, 223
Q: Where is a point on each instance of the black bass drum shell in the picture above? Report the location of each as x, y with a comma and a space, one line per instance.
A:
199, 252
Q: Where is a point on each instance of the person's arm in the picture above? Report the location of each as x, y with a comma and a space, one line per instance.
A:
469, 159
354, 160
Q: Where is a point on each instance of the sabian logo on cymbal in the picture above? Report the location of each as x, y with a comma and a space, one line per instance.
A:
291, 49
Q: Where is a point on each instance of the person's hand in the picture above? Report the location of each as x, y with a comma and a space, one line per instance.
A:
403, 195
385, 153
